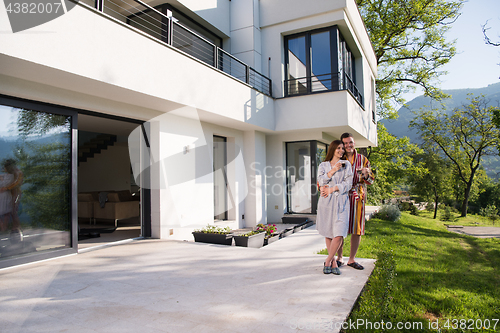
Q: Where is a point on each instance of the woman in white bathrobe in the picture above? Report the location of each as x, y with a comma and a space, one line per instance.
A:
332, 219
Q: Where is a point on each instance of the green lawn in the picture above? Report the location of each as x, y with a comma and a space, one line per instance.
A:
469, 220
426, 276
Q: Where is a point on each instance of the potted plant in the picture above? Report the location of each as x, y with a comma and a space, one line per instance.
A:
271, 232
214, 235
250, 239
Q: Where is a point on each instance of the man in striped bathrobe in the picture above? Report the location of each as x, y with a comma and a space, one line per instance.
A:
363, 176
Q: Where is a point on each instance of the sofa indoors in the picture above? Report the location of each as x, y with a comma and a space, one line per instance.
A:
117, 205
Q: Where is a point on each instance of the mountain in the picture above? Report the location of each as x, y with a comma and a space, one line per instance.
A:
399, 126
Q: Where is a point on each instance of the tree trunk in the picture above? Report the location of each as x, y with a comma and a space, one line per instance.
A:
435, 208
465, 203
436, 202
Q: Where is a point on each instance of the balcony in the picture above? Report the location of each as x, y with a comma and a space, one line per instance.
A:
167, 29
321, 83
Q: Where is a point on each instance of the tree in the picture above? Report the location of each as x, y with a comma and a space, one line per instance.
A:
433, 184
392, 162
496, 121
410, 47
487, 39
464, 137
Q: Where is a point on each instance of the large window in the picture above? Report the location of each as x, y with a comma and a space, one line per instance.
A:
318, 61
35, 182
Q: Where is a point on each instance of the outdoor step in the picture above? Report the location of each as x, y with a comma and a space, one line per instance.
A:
294, 219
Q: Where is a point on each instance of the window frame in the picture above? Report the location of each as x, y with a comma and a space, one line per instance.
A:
342, 62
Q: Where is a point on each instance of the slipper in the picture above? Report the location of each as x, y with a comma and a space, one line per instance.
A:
339, 263
355, 265
327, 269
336, 270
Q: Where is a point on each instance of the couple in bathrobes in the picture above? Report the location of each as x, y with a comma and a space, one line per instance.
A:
335, 178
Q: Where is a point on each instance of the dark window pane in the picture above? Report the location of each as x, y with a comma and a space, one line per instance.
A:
321, 78
297, 70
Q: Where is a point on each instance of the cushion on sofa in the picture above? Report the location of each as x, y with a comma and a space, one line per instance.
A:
113, 197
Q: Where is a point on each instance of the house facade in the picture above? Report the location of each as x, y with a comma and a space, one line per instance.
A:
214, 112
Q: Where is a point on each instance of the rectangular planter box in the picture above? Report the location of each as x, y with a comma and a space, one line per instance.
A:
287, 232
255, 241
308, 224
270, 240
222, 239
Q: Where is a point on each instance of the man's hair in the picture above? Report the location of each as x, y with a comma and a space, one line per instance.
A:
345, 136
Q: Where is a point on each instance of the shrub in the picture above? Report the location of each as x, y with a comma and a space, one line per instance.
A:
413, 210
447, 214
491, 212
430, 207
408, 207
404, 206
389, 212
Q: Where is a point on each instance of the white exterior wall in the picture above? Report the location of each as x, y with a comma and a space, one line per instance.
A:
255, 161
245, 32
215, 12
126, 73
184, 177
129, 68
336, 110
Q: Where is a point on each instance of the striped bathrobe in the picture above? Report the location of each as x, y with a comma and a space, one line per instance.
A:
357, 194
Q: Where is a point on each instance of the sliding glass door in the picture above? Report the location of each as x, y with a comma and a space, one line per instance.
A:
36, 175
302, 159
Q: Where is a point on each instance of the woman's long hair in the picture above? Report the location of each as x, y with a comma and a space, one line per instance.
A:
331, 150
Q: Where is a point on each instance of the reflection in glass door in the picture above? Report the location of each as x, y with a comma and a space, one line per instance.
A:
301, 165
299, 177
220, 179
35, 171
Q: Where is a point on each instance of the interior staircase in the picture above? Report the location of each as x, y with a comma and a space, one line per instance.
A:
95, 146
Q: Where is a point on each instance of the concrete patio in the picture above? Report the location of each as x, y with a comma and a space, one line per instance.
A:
175, 286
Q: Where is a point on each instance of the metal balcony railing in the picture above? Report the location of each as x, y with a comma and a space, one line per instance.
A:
353, 89
166, 28
319, 83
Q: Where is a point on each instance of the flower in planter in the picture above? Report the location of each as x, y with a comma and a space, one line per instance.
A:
212, 229
269, 229
250, 233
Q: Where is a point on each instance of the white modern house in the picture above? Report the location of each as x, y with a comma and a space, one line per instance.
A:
217, 111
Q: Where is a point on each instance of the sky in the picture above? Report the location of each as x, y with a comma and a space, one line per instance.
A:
476, 64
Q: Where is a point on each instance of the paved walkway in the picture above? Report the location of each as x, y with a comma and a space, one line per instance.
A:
174, 286
481, 232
